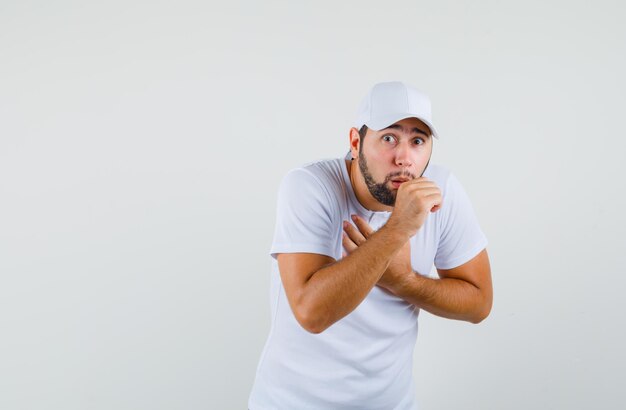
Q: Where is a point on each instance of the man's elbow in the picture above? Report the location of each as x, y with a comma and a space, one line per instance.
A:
311, 320
482, 313
313, 328
476, 319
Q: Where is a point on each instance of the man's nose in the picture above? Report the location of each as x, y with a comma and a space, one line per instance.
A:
403, 155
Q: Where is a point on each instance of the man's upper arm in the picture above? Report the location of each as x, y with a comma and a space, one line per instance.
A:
295, 271
306, 216
476, 271
305, 238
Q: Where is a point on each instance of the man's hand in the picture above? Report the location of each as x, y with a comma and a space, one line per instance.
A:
415, 200
462, 293
399, 267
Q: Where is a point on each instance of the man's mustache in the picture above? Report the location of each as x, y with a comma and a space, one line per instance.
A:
399, 174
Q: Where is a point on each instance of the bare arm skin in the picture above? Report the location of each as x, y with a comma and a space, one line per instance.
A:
321, 291
462, 293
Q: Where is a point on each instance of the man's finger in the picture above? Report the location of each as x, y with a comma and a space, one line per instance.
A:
348, 244
353, 233
363, 226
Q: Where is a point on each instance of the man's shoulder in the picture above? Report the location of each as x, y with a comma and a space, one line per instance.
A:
325, 166
326, 172
320, 182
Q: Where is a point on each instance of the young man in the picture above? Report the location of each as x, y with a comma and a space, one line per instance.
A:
354, 242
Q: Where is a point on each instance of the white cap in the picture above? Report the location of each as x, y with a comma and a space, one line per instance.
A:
388, 103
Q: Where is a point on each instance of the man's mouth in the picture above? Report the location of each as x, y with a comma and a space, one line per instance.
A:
396, 182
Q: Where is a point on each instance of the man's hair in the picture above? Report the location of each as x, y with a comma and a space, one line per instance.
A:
362, 133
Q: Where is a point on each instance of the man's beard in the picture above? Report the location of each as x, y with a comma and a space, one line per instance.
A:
380, 191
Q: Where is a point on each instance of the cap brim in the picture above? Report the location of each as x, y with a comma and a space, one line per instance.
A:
380, 123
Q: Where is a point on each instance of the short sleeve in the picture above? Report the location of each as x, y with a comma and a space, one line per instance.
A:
460, 235
304, 217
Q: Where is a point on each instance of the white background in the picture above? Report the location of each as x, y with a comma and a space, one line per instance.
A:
142, 143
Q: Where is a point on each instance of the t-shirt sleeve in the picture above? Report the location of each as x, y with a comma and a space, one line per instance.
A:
304, 216
461, 237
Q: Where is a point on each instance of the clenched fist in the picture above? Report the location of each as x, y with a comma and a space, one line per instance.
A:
415, 199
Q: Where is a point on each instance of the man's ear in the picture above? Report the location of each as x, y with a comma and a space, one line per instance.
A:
355, 142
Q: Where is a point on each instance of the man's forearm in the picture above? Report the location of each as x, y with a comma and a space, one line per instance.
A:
337, 289
447, 297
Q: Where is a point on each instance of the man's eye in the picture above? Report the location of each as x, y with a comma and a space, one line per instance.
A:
388, 138
418, 141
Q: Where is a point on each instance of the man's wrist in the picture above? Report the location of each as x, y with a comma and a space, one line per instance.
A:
405, 286
396, 231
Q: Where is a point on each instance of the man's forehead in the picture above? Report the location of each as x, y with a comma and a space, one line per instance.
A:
410, 125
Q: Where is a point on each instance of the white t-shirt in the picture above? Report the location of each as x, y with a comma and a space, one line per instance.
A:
365, 360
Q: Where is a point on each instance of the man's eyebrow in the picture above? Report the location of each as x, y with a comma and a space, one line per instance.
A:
399, 127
